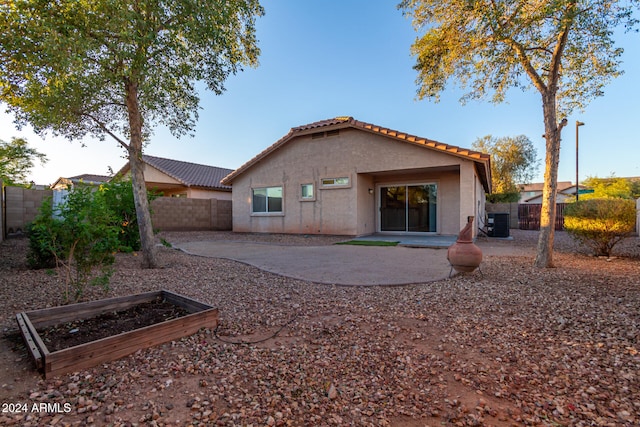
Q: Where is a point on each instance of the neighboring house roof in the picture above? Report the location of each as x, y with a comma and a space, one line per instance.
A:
88, 179
482, 160
566, 191
538, 186
188, 174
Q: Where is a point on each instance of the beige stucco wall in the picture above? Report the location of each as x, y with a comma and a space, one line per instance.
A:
152, 174
194, 193
448, 201
369, 160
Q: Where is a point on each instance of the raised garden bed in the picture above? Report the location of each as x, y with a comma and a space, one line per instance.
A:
67, 338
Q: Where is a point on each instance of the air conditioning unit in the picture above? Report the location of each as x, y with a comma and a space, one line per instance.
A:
498, 225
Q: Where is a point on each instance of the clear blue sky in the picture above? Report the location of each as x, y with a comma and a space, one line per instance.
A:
322, 59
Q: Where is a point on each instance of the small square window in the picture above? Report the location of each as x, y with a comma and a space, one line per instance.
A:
306, 191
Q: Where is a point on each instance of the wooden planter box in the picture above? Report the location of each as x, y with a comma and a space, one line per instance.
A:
114, 347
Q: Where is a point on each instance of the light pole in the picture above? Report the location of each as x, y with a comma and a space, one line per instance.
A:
578, 124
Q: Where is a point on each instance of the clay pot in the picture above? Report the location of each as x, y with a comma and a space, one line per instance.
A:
464, 256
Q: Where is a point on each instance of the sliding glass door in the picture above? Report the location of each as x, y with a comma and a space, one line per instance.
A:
408, 208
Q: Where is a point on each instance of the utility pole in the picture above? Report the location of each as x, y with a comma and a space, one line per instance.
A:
578, 124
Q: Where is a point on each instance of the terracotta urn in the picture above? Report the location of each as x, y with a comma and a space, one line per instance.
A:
464, 256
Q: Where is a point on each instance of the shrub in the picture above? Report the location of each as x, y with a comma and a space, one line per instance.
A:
42, 242
119, 198
503, 197
79, 240
600, 224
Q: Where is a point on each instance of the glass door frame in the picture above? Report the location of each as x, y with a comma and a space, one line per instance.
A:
378, 196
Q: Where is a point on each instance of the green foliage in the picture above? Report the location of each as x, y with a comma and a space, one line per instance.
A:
562, 48
79, 239
69, 69
118, 68
621, 188
17, 160
512, 197
513, 161
43, 242
491, 47
635, 189
600, 224
118, 196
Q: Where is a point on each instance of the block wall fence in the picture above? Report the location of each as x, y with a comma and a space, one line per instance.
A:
181, 214
19, 206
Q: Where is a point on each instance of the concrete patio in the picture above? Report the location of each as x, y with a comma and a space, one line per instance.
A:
416, 259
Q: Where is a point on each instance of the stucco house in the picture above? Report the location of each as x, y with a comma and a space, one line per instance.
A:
175, 178
566, 192
346, 177
84, 179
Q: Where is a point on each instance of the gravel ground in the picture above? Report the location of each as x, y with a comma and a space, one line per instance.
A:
509, 346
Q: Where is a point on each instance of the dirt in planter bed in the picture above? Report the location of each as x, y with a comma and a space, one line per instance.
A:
65, 335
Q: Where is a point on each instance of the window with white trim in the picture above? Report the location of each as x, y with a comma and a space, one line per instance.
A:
266, 200
306, 192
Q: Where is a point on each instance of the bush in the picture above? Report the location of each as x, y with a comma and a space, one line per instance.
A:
42, 243
600, 223
119, 198
504, 197
79, 239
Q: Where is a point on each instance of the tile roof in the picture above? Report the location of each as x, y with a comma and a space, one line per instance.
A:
90, 178
190, 174
481, 159
86, 178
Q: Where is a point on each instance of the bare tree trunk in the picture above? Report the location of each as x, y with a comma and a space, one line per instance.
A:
544, 255
136, 165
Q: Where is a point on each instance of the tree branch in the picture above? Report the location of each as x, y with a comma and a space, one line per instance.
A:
544, 49
102, 126
521, 52
537, 80
566, 22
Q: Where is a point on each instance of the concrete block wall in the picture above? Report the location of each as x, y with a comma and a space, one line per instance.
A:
21, 207
510, 208
182, 214
221, 215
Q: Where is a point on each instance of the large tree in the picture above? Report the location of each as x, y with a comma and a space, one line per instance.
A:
17, 159
562, 48
117, 68
513, 161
